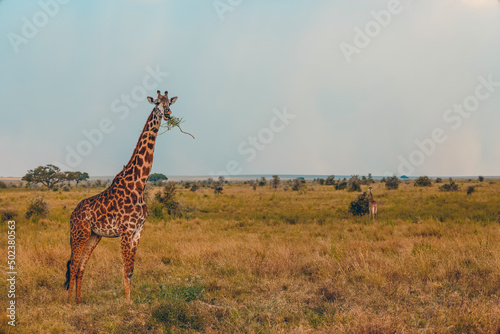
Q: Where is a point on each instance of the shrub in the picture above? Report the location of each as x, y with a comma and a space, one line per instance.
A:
275, 181
194, 187
285, 188
320, 181
439, 180
3, 185
451, 186
262, 181
354, 183
6, 215
167, 198
481, 178
367, 180
392, 182
330, 180
359, 207
423, 181
156, 210
296, 185
470, 190
341, 185
98, 184
37, 208
218, 188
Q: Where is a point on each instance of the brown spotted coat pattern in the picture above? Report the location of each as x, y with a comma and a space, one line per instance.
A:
119, 211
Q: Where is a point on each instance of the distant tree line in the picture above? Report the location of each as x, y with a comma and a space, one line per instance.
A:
50, 175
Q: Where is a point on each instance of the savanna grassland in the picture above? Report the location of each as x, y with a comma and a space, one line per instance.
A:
267, 261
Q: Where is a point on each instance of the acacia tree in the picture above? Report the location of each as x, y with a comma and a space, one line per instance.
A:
77, 176
48, 175
157, 177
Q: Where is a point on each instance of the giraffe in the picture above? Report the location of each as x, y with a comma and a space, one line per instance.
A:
118, 211
372, 205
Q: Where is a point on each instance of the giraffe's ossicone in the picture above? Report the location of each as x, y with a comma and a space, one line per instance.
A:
118, 211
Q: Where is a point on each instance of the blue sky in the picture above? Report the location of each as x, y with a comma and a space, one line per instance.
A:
235, 66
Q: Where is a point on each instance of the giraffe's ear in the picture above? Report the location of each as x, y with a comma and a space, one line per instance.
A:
172, 100
151, 100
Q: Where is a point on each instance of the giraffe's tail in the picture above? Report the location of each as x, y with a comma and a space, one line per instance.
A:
68, 275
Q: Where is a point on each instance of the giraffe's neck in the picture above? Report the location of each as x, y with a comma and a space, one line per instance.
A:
135, 174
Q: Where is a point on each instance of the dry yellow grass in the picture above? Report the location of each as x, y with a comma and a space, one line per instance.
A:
270, 261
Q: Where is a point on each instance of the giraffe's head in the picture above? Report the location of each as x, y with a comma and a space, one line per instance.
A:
162, 104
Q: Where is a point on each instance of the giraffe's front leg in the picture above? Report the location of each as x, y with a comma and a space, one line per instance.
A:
129, 242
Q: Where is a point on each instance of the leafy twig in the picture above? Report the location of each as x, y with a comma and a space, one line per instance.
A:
173, 122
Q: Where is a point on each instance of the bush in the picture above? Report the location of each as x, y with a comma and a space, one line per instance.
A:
98, 184
262, 181
330, 180
367, 180
359, 207
156, 210
296, 185
423, 181
392, 182
37, 208
167, 198
470, 190
6, 215
481, 178
218, 188
451, 186
354, 183
341, 185
3, 185
439, 180
275, 182
194, 187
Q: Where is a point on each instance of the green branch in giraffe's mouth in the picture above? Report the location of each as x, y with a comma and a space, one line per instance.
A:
173, 122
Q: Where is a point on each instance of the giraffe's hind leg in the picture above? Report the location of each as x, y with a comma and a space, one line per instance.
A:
92, 242
78, 241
